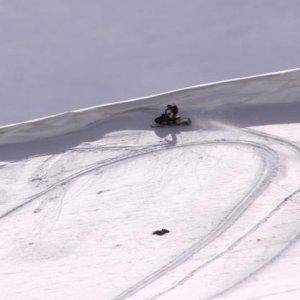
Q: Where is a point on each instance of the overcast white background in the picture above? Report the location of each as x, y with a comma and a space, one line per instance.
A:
58, 55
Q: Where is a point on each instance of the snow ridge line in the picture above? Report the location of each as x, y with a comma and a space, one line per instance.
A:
199, 96
268, 171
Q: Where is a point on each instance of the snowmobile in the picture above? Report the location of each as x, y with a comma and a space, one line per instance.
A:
165, 120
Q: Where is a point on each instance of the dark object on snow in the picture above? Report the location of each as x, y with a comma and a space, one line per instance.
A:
171, 111
171, 117
161, 232
165, 121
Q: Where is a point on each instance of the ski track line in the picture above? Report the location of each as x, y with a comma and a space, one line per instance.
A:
266, 136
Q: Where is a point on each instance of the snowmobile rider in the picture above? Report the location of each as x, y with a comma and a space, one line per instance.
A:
169, 115
171, 112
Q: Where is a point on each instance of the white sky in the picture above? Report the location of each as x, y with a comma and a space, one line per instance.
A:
58, 55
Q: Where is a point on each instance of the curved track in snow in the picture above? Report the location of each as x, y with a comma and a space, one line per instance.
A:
266, 174
258, 187
268, 153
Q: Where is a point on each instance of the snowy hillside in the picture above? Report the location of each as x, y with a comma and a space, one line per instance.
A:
82, 192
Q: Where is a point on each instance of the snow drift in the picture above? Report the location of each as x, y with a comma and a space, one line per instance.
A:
82, 192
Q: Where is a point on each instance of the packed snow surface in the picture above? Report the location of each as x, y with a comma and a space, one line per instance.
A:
82, 192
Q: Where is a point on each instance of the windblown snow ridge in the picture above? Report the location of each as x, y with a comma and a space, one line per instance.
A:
272, 88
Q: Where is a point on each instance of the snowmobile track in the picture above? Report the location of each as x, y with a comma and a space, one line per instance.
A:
268, 171
211, 236
139, 152
232, 246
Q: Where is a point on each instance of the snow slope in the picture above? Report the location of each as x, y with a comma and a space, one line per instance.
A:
82, 192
